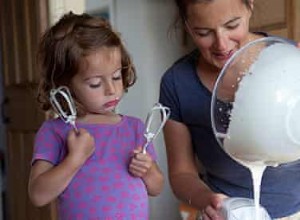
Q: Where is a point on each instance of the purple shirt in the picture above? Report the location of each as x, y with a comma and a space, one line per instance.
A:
102, 189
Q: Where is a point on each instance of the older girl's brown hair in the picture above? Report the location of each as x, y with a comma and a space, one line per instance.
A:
64, 45
183, 4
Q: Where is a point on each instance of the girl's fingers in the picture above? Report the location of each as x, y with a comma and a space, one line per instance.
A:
137, 171
143, 164
138, 168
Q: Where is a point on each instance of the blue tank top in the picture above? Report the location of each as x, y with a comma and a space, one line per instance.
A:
189, 101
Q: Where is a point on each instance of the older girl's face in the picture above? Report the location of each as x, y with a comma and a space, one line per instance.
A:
219, 28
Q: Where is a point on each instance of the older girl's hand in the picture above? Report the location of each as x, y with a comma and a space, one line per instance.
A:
212, 211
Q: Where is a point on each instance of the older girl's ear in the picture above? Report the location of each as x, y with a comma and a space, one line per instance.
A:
251, 4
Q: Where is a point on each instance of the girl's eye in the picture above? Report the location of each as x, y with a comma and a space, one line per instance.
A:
117, 75
94, 83
93, 86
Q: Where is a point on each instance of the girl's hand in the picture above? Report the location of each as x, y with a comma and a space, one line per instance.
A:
212, 211
81, 145
140, 163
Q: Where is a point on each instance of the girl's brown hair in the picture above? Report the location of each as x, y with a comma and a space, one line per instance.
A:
64, 45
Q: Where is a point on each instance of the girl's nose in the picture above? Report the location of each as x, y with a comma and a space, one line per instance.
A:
110, 88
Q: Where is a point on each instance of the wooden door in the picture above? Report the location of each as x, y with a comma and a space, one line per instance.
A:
22, 22
278, 17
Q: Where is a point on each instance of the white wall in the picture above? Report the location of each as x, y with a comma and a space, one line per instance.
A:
58, 7
143, 25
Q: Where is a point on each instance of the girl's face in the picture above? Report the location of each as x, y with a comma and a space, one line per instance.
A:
98, 86
219, 28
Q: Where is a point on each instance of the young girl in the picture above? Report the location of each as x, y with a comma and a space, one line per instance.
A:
98, 171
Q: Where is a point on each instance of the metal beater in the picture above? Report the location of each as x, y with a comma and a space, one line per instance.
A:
68, 115
151, 135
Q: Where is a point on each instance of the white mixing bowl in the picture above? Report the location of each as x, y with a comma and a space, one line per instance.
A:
255, 107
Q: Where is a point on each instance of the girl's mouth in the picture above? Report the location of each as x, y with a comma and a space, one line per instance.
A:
111, 103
